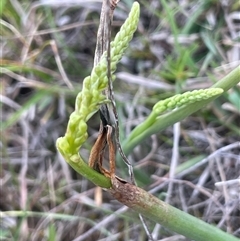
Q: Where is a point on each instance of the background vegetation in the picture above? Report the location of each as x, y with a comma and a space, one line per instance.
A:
47, 49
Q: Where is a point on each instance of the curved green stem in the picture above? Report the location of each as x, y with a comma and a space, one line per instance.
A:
82, 168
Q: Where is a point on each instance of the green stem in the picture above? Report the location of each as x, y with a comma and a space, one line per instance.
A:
168, 216
143, 126
82, 168
229, 81
179, 221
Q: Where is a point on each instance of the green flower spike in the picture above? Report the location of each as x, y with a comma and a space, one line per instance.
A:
185, 98
172, 103
89, 100
124, 36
